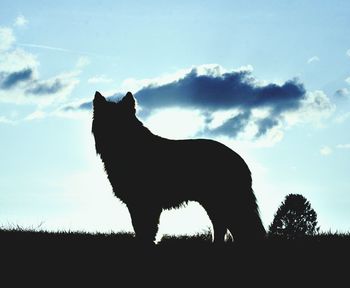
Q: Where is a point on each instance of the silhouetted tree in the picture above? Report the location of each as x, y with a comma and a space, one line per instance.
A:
294, 218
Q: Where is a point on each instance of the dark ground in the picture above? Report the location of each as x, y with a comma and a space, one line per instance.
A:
71, 258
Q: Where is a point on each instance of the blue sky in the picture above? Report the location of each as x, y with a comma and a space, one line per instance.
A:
53, 57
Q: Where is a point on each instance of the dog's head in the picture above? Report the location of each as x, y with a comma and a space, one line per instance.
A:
112, 119
113, 112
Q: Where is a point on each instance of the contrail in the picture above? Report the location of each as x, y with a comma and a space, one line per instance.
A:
47, 47
30, 45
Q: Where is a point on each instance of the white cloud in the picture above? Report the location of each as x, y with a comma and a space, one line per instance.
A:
6, 38
313, 59
348, 52
20, 21
35, 115
342, 92
343, 146
269, 139
315, 108
347, 80
82, 62
33, 88
5, 120
42, 91
342, 118
325, 151
99, 79
16, 60
247, 68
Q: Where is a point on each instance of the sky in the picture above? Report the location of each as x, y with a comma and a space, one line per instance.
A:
270, 79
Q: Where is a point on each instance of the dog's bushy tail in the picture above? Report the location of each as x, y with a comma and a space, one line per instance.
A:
246, 224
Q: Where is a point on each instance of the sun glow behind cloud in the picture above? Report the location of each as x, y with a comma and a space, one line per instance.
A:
175, 123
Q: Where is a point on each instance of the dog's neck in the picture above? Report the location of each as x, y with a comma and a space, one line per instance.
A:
134, 137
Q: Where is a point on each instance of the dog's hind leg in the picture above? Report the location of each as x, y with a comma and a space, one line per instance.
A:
218, 221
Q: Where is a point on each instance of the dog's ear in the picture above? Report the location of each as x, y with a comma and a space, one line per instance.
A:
99, 98
129, 101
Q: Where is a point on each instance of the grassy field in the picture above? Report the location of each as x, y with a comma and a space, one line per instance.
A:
106, 256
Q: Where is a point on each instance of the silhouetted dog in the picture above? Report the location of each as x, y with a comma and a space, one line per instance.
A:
150, 173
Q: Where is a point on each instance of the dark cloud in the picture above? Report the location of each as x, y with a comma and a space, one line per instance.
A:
83, 106
232, 90
46, 88
211, 93
231, 127
9, 80
265, 124
343, 92
88, 105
